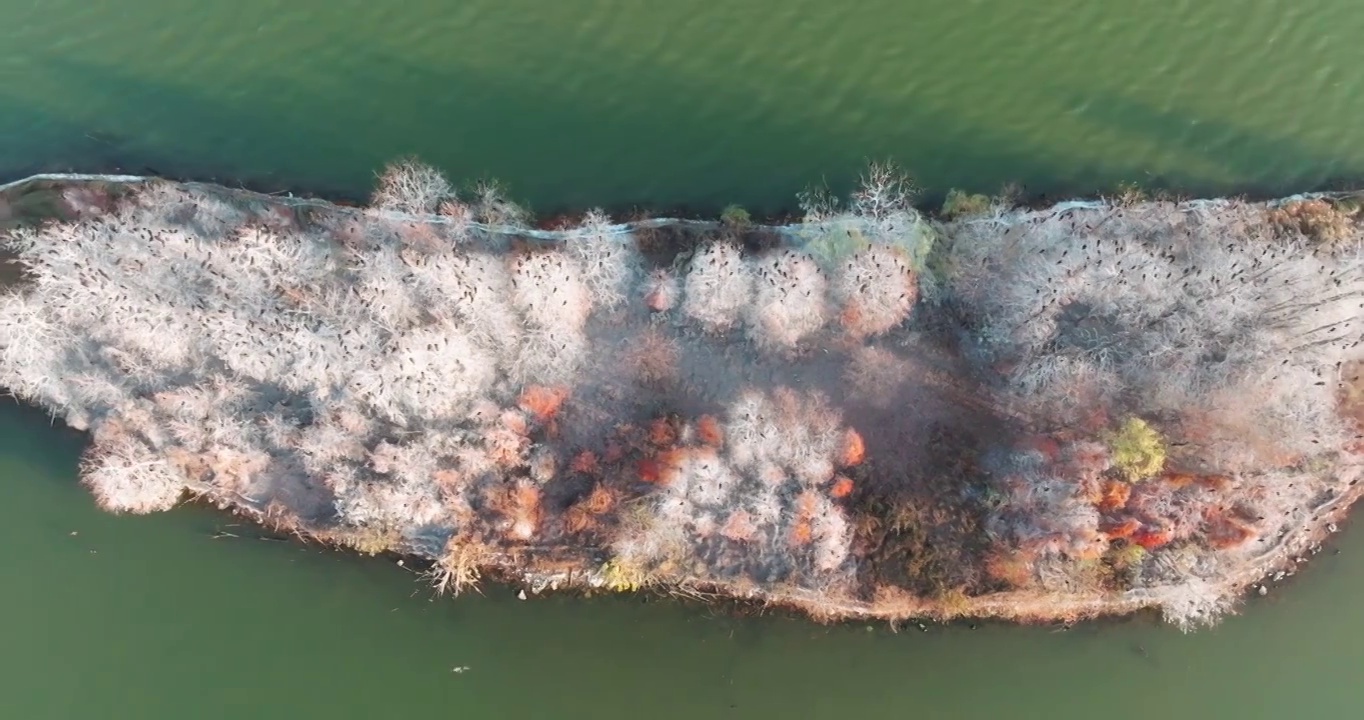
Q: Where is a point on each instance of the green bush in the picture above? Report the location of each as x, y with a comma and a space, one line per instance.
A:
735, 216
960, 204
1138, 451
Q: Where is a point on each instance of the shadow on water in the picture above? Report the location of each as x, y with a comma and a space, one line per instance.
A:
673, 129
1235, 150
168, 133
674, 142
566, 149
544, 145
62, 145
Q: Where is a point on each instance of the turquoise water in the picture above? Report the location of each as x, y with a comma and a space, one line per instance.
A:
693, 102
687, 102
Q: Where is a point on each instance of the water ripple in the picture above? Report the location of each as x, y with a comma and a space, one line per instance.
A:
694, 101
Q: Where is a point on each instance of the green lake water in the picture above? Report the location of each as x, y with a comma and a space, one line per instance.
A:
693, 103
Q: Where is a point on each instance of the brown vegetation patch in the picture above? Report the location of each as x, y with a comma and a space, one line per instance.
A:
542, 402
1153, 538
1013, 568
601, 500
757, 240
1115, 495
592, 510
1120, 528
560, 221
709, 431
577, 520
843, 487
1319, 219
923, 530
584, 462
652, 358
1224, 531
1352, 393
662, 246
663, 432
853, 450
519, 507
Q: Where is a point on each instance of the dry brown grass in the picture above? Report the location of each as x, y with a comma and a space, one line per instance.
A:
460, 567
1010, 567
953, 602
369, 540
194, 465
904, 517
577, 519
959, 204
420, 236
1319, 219
506, 442
896, 602
1224, 531
651, 358
519, 507
455, 210
277, 517
636, 517
869, 529
601, 500
1129, 194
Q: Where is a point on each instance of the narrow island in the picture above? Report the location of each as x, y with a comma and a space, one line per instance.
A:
994, 411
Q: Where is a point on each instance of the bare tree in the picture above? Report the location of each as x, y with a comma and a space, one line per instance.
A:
408, 186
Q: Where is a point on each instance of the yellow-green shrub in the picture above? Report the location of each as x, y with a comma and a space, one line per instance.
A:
1128, 556
959, 203
1137, 449
622, 576
735, 216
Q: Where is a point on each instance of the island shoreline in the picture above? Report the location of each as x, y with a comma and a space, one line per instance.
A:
1017, 606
